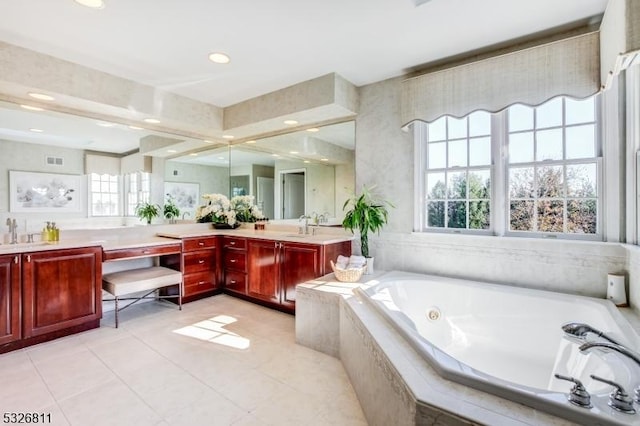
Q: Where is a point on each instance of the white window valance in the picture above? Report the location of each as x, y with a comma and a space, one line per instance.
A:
531, 76
101, 164
619, 38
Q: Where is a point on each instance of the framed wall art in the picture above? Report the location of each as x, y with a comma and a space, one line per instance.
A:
44, 192
185, 195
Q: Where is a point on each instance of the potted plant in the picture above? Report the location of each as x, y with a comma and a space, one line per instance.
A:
366, 214
147, 211
171, 210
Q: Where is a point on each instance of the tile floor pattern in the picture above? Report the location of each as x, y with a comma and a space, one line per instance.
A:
221, 361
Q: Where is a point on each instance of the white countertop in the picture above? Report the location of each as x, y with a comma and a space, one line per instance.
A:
292, 236
141, 236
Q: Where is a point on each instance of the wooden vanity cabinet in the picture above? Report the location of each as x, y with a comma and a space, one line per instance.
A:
198, 262
277, 267
10, 302
61, 289
264, 270
234, 264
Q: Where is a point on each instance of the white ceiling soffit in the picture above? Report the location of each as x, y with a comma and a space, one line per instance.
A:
272, 44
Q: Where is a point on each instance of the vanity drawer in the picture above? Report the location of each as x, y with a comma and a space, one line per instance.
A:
197, 261
198, 283
234, 242
235, 281
192, 244
130, 253
235, 259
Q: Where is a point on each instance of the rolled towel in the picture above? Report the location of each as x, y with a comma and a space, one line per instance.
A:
356, 262
342, 262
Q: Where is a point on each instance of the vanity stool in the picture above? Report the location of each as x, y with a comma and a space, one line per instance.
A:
138, 280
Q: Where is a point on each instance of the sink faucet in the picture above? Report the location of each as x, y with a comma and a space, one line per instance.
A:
306, 224
185, 214
13, 229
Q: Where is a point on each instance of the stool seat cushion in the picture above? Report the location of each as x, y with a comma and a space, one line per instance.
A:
134, 280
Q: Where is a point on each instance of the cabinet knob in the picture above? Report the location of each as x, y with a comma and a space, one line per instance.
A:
29, 258
232, 281
233, 243
201, 261
15, 259
200, 243
202, 282
233, 261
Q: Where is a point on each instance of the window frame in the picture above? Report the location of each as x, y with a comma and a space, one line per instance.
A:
92, 194
499, 175
422, 226
140, 194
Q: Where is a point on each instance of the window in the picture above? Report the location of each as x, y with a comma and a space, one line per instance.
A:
458, 178
523, 171
553, 168
105, 195
138, 190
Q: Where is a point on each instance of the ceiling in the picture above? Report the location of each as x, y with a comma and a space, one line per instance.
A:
272, 44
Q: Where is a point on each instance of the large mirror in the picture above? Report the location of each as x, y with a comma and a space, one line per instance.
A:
299, 173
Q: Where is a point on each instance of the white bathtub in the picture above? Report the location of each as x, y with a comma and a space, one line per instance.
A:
508, 341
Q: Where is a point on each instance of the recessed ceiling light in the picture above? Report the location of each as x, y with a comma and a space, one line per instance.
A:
135, 128
37, 130
94, 4
220, 158
251, 141
275, 155
151, 120
171, 151
324, 159
313, 130
193, 154
207, 141
219, 58
41, 96
32, 108
290, 122
293, 152
228, 136
105, 124
306, 161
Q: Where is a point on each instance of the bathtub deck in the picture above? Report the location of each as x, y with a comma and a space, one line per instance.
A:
391, 381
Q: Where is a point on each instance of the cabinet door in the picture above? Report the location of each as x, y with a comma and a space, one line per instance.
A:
9, 298
300, 263
262, 257
61, 289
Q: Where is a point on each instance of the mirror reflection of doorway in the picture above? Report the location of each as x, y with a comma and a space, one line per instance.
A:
264, 195
293, 190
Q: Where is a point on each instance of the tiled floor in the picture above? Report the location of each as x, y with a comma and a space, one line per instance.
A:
221, 361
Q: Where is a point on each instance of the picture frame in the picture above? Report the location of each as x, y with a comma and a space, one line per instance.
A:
35, 192
186, 196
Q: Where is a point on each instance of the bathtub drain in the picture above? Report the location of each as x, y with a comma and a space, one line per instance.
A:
433, 314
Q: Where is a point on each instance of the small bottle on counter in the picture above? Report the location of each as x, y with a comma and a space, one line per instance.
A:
45, 232
55, 232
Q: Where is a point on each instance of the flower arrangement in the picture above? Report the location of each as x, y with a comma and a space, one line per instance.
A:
216, 209
246, 210
219, 209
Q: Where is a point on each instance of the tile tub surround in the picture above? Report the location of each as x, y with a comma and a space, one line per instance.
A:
392, 382
151, 371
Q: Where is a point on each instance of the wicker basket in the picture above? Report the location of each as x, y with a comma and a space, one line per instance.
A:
347, 275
